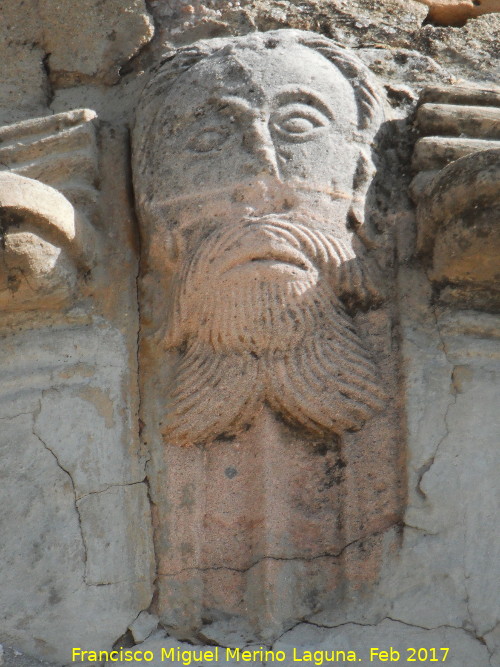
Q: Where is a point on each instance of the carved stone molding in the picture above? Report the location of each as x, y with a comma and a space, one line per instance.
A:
457, 191
47, 203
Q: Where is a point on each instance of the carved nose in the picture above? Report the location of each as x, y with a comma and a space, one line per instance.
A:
257, 140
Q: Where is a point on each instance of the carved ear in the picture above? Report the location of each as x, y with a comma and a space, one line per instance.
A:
356, 276
26, 201
165, 249
363, 176
174, 248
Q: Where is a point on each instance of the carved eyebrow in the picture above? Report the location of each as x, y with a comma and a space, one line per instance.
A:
237, 103
306, 96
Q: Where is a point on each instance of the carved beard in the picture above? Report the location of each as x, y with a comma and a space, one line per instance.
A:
260, 312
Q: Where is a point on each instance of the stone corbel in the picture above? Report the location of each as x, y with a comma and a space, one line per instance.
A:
457, 192
47, 192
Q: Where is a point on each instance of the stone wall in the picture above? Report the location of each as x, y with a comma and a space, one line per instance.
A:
100, 512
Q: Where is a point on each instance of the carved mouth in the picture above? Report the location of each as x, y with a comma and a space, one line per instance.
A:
272, 259
295, 259
267, 253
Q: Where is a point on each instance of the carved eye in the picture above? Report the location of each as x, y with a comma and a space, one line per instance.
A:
299, 122
297, 125
207, 140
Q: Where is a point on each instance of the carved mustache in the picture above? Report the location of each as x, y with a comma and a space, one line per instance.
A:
266, 247
299, 274
269, 239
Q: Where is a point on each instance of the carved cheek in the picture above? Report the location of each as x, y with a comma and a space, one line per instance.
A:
341, 161
300, 161
323, 157
209, 158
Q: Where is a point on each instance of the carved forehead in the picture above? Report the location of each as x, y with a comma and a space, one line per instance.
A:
259, 75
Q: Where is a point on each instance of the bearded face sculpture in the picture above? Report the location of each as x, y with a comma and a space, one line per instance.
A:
251, 166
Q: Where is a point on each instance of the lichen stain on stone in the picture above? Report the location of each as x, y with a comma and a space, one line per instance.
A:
78, 369
188, 496
102, 402
461, 378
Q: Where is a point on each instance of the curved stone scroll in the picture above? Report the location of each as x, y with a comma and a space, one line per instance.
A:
72, 491
457, 191
47, 241
264, 354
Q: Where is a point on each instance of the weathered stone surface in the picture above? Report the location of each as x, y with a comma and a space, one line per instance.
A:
453, 120
451, 370
24, 88
165, 649
350, 643
372, 641
93, 457
436, 152
76, 555
459, 121
112, 561
48, 44
108, 35
14, 658
341, 20
143, 626
453, 478
60, 151
72, 556
386, 26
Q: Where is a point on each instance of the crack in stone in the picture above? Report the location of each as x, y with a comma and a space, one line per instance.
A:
425, 627
76, 500
386, 618
50, 92
424, 469
20, 414
470, 614
280, 558
111, 486
491, 651
122, 581
427, 466
306, 621
84, 545
155, 574
142, 611
471, 633
127, 66
422, 530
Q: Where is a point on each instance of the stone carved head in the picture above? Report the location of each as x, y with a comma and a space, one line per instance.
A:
251, 164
